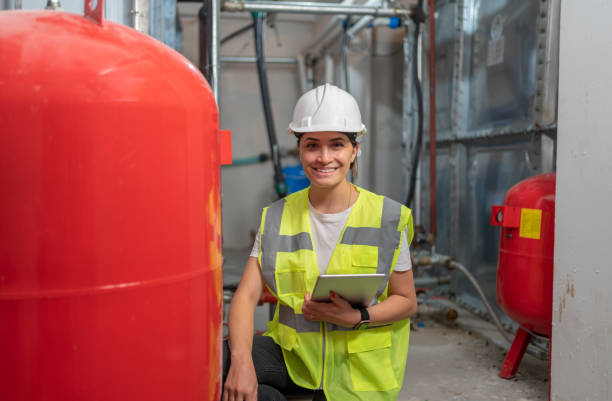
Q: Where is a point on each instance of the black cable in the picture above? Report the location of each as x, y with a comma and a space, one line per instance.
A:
418, 17
279, 178
236, 33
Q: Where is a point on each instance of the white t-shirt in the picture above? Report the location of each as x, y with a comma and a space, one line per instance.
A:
326, 229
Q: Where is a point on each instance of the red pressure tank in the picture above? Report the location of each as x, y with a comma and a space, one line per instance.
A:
526, 250
110, 247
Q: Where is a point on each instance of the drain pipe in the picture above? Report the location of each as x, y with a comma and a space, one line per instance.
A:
209, 44
451, 265
432, 120
279, 179
418, 17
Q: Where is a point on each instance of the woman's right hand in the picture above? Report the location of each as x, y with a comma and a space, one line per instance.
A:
241, 382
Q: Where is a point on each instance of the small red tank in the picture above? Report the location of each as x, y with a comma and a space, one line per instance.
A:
526, 250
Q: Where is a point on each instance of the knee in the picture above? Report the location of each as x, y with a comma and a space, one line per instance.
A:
269, 393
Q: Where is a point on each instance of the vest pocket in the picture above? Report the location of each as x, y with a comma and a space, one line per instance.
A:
286, 337
291, 282
369, 353
364, 259
291, 272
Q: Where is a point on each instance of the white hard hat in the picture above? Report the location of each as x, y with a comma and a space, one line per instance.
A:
326, 108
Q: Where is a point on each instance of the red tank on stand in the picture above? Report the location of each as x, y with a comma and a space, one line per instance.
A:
525, 266
110, 246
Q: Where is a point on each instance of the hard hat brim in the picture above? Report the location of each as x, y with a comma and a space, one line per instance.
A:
323, 128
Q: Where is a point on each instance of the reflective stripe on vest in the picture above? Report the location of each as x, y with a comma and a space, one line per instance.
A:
296, 321
386, 238
272, 242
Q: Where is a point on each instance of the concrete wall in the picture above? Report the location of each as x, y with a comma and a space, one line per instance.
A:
582, 319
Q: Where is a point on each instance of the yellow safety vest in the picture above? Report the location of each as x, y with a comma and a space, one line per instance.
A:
347, 364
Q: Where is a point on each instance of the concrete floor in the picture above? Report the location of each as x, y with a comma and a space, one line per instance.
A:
447, 361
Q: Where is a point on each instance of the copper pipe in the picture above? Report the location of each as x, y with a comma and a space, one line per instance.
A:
432, 118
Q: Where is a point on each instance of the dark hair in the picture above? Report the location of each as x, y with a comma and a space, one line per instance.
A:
352, 136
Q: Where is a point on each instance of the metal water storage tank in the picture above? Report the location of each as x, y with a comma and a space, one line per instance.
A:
110, 247
525, 265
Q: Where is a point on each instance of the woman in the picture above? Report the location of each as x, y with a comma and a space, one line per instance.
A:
333, 227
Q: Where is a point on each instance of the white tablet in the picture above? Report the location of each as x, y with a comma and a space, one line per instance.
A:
358, 289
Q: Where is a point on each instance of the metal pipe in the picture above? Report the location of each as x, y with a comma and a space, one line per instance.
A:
431, 281
432, 119
418, 18
345, 55
53, 5
312, 8
323, 41
437, 259
249, 60
140, 15
301, 64
329, 69
451, 264
215, 45
204, 27
407, 115
331, 24
279, 178
419, 178
456, 265
236, 33
358, 26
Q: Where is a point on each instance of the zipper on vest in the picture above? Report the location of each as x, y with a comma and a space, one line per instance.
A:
324, 324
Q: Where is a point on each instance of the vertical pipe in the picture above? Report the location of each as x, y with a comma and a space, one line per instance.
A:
140, 15
407, 118
301, 64
214, 47
279, 178
329, 69
432, 117
53, 5
204, 41
419, 176
345, 55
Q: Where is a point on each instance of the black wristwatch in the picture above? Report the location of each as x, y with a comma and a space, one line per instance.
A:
365, 319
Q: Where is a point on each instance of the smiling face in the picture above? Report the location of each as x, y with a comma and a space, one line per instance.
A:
326, 157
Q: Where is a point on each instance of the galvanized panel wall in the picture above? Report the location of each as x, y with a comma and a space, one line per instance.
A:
496, 62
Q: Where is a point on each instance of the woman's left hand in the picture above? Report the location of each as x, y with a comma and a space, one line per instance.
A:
338, 312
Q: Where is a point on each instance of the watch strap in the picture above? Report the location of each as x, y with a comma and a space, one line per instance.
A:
365, 319
365, 315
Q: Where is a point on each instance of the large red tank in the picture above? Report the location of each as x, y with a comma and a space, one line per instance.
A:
525, 266
110, 258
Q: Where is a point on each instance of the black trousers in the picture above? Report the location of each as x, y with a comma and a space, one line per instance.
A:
272, 376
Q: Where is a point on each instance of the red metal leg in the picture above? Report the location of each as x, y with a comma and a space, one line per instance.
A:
515, 355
